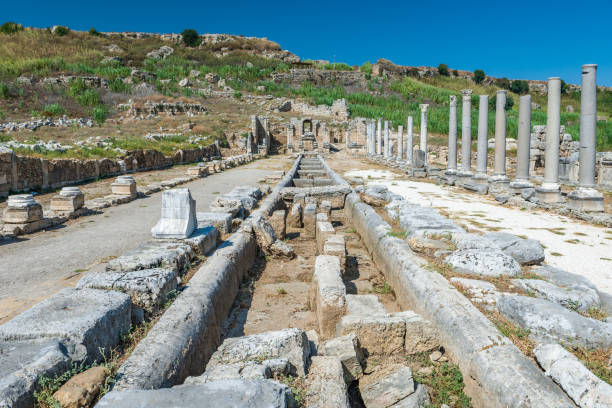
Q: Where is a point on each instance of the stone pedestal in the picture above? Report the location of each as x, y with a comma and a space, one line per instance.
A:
604, 178
22, 208
585, 199
499, 186
125, 186
198, 171
549, 193
178, 215
449, 177
517, 186
463, 177
69, 199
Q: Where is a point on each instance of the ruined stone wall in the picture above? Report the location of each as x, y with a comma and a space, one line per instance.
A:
297, 76
339, 109
19, 173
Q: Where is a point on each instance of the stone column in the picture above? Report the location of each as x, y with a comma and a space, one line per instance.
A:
409, 141
499, 175
369, 137
386, 148
585, 197
379, 137
249, 143
550, 190
400, 143
452, 137
483, 135
290, 137
466, 134
521, 180
423, 136
372, 137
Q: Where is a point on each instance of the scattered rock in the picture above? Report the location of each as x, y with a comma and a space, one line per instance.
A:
184, 82
82, 389
282, 250
348, 350
527, 193
573, 299
388, 387
483, 262
326, 386
284, 107
524, 251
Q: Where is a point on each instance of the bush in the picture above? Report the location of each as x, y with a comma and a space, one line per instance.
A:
93, 31
237, 94
191, 38
338, 66
10, 28
519, 87
455, 72
563, 87
100, 114
53, 110
503, 83
479, 76
61, 31
5, 91
443, 70
366, 68
509, 103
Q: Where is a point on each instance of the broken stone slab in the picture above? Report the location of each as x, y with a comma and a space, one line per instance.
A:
202, 240
197, 171
224, 393
249, 191
335, 245
326, 207
147, 288
23, 363
567, 297
281, 249
309, 219
244, 370
324, 229
420, 334
387, 387
124, 186
483, 262
473, 241
348, 350
375, 195
524, 251
418, 399
264, 233
569, 281
89, 322
328, 294
278, 222
22, 209
294, 219
220, 220
479, 291
290, 344
477, 188
325, 385
82, 389
424, 221
582, 386
178, 216
154, 254
377, 334
548, 321
228, 205
364, 305
69, 199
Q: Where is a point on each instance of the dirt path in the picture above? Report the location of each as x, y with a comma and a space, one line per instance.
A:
41, 264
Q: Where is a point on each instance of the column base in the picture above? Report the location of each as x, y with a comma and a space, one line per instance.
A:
474, 186
499, 178
418, 172
449, 177
462, 177
499, 185
549, 193
480, 177
585, 199
517, 186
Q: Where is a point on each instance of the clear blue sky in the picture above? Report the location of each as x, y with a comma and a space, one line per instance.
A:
521, 39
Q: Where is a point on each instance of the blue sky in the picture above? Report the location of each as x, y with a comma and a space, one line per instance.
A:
523, 39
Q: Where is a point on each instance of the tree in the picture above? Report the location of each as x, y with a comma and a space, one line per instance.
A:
455, 72
563, 87
60, 30
10, 28
479, 76
503, 83
93, 31
507, 107
519, 86
191, 38
443, 70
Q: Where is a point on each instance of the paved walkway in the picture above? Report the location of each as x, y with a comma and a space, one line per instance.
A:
42, 264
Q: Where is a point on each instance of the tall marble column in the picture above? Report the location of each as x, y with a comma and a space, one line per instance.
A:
466, 134
550, 190
400, 142
372, 126
483, 134
452, 137
368, 138
499, 174
290, 131
521, 180
409, 139
249, 145
585, 197
423, 138
386, 148
379, 137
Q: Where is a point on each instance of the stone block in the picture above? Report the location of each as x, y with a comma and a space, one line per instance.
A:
326, 387
23, 363
364, 305
220, 220
378, 335
197, 171
264, 233
87, 321
278, 222
585, 199
478, 188
124, 186
294, 219
388, 388
82, 389
326, 207
524, 251
69, 199
147, 288
328, 294
282, 250
484, 262
154, 254
228, 205
420, 335
202, 240
309, 219
290, 344
566, 297
244, 370
224, 393
22, 209
178, 216
348, 350
477, 290
325, 229
335, 245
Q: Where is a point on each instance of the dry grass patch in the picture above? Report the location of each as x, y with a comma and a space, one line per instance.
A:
597, 361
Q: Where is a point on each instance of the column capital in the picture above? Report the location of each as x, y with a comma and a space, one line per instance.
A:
453, 101
502, 91
424, 107
466, 94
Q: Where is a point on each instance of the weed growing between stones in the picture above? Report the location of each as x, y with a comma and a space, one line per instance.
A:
518, 336
597, 361
297, 386
595, 312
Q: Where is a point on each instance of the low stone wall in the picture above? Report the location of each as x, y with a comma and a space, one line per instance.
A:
496, 373
19, 173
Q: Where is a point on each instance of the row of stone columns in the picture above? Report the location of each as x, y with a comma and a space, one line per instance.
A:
584, 198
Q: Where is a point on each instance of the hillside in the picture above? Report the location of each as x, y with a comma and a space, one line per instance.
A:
140, 65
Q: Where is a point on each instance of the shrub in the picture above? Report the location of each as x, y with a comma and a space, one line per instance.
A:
443, 70
100, 114
10, 28
61, 31
5, 92
191, 37
455, 72
237, 94
503, 83
338, 66
519, 87
479, 76
93, 31
366, 68
509, 103
563, 87
53, 109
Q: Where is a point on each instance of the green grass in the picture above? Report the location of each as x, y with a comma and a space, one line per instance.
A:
445, 383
